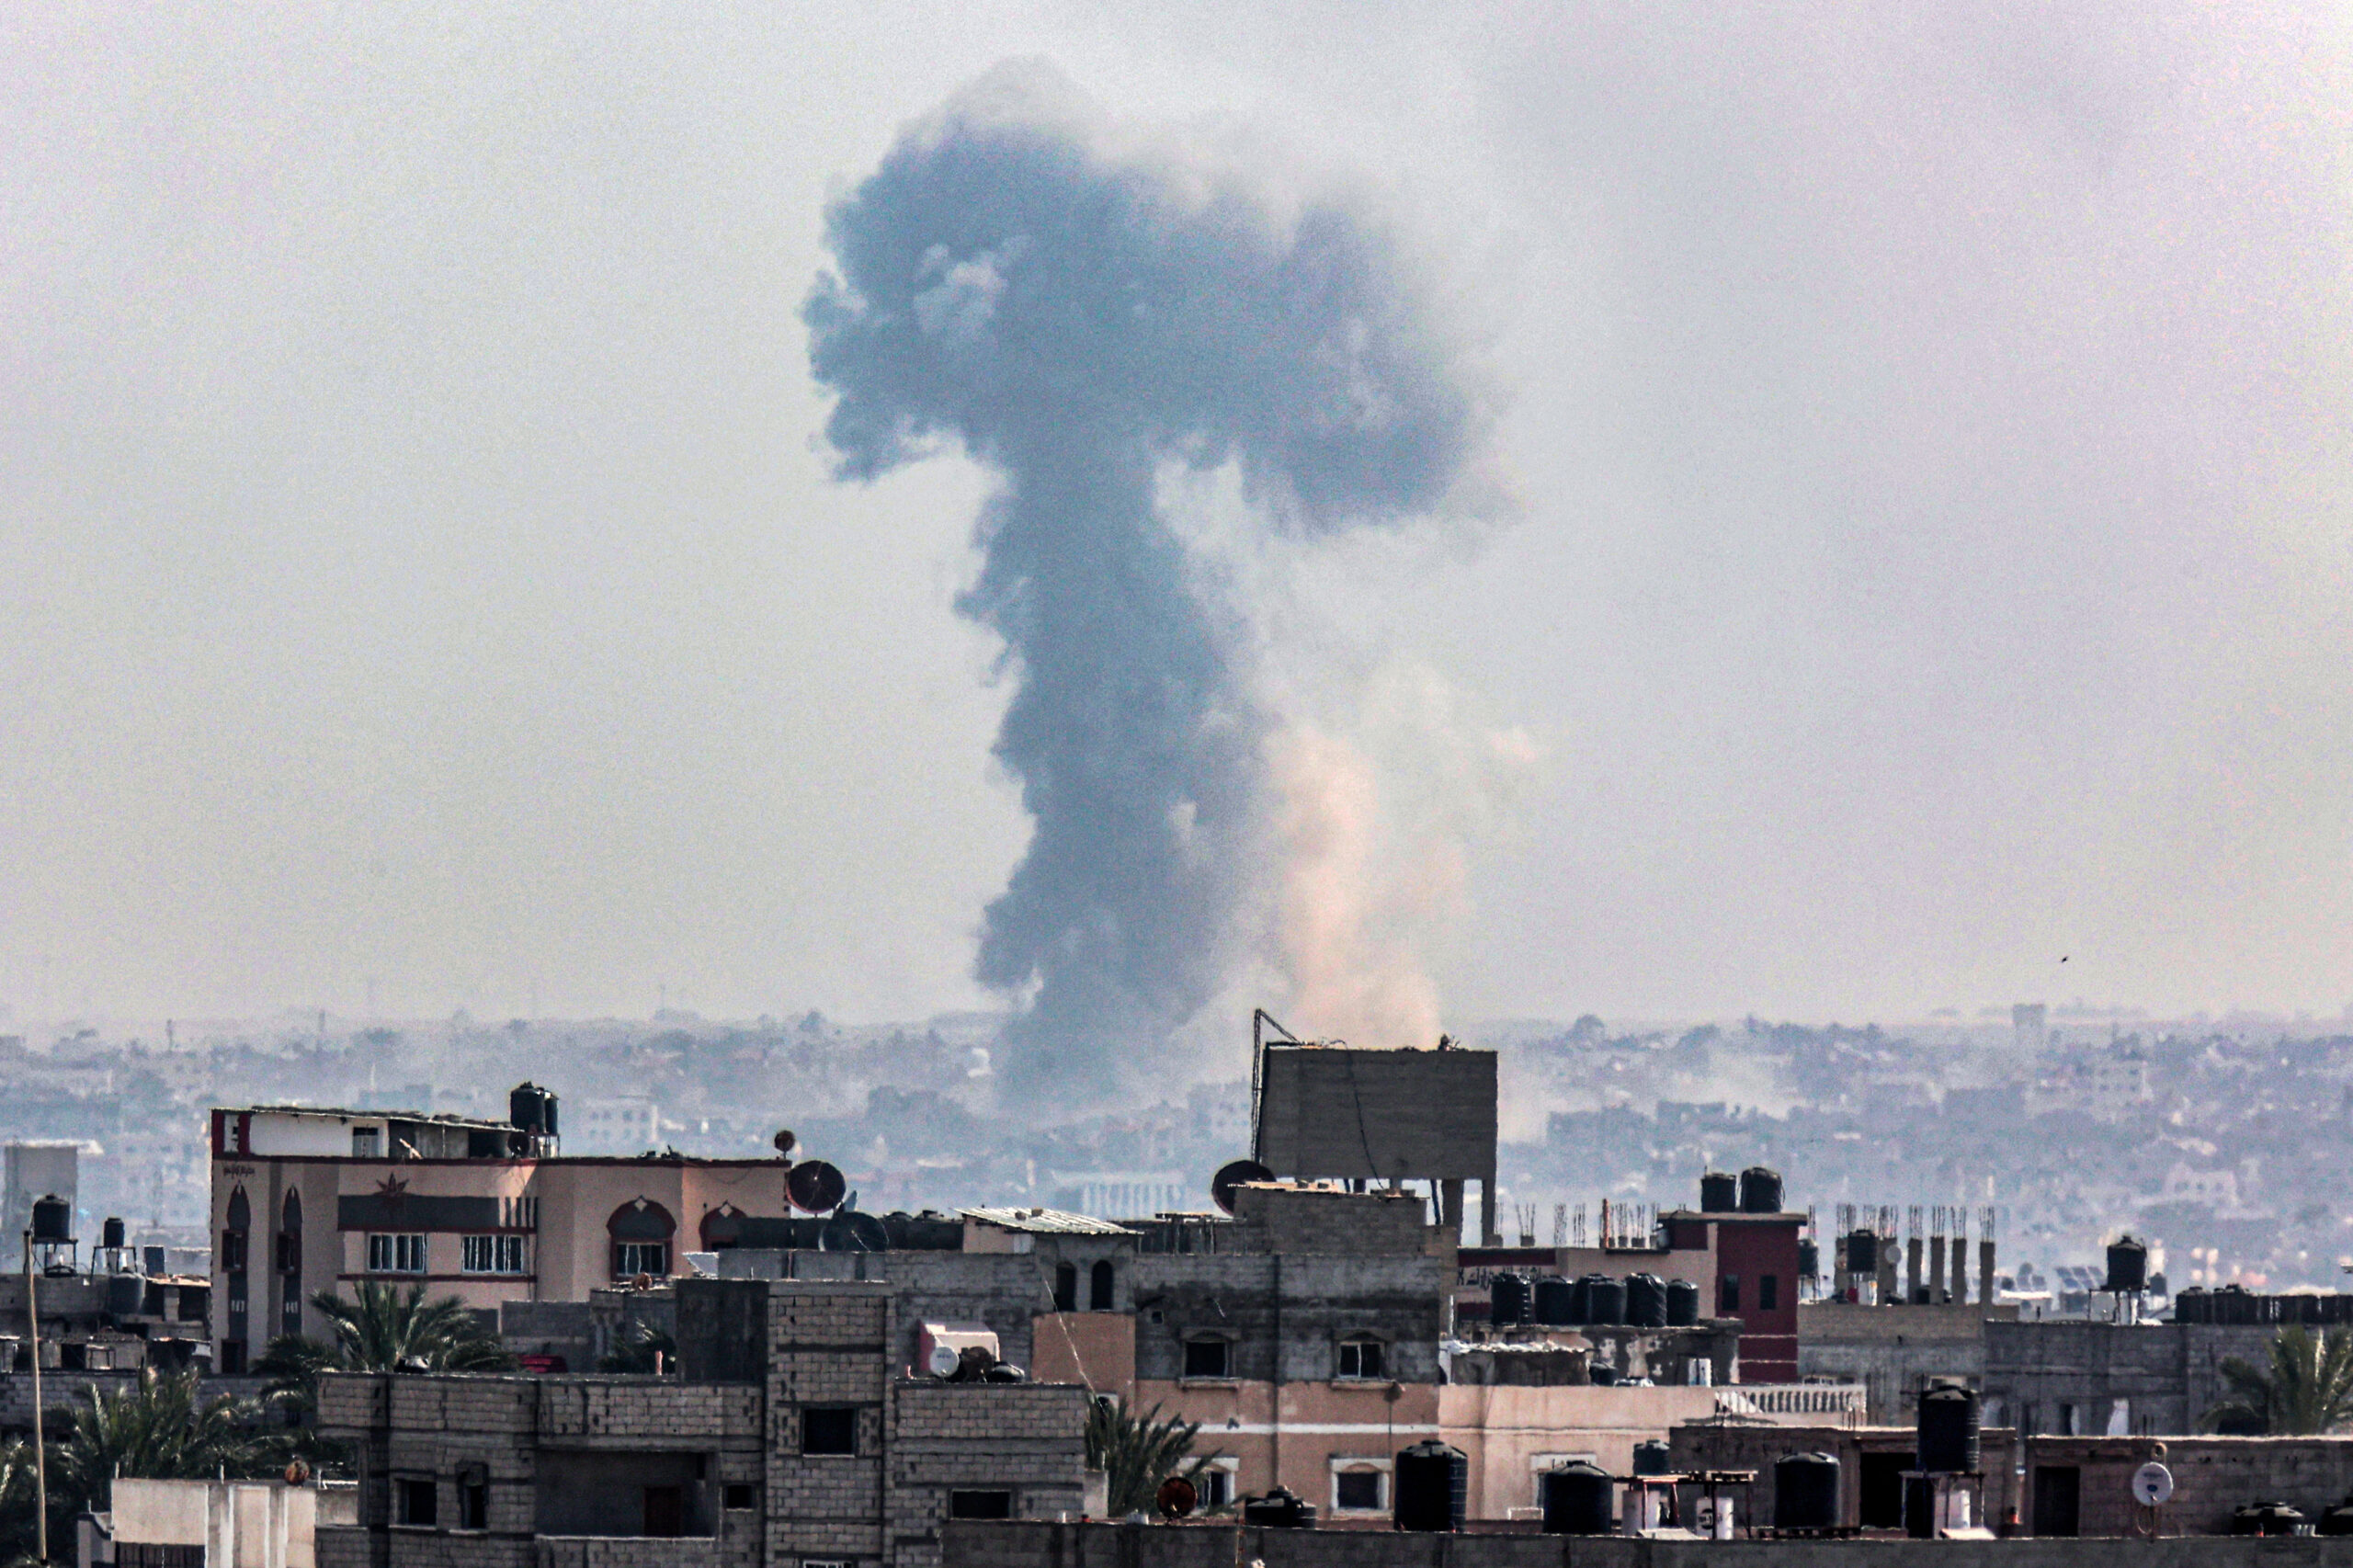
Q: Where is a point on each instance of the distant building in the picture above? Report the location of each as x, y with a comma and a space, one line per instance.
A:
30, 1171
622, 1125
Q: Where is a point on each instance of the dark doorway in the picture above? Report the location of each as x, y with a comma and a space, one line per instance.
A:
665, 1510
1882, 1491
2058, 1499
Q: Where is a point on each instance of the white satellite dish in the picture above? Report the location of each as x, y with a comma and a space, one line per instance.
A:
2153, 1484
946, 1359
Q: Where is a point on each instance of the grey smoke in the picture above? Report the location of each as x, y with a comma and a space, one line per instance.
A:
1076, 320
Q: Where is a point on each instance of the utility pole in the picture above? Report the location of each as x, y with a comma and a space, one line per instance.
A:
40, 1447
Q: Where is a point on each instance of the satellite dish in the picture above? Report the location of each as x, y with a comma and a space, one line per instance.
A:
850, 1231
815, 1187
1175, 1497
1232, 1173
945, 1360
2153, 1484
783, 1141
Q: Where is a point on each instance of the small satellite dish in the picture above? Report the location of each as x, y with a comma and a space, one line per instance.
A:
2153, 1484
945, 1360
850, 1231
298, 1474
783, 1141
815, 1187
1232, 1173
1176, 1498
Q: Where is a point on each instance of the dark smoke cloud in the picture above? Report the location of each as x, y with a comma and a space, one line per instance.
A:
1076, 320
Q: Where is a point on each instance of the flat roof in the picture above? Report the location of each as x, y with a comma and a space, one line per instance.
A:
345, 1112
1046, 1221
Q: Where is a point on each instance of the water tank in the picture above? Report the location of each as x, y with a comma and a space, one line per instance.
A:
1650, 1457
2265, 1518
1280, 1509
2193, 1305
1718, 1193
1601, 1377
1553, 1301
1580, 1301
1805, 1492
1682, 1303
1646, 1300
2127, 1265
126, 1295
1605, 1298
1808, 1258
1948, 1430
110, 1232
52, 1219
1433, 1487
530, 1109
1760, 1190
1862, 1253
1578, 1499
2337, 1520
1508, 1292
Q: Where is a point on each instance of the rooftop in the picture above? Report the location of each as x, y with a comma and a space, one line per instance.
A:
1045, 1222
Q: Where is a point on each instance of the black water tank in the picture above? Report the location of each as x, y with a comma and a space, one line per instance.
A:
1433, 1487
126, 1294
2265, 1518
1718, 1193
52, 1219
2337, 1520
1808, 1258
1650, 1457
1646, 1300
1682, 1303
1578, 1499
1279, 1509
1760, 1190
1553, 1301
1948, 1430
1508, 1292
2127, 1265
110, 1232
1604, 1301
1601, 1377
1862, 1253
1805, 1492
2193, 1305
1580, 1301
528, 1108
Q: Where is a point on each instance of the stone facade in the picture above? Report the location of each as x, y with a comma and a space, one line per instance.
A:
2072, 1378
1895, 1351
723, 1467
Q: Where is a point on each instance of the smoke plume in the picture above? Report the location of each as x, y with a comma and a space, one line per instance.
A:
1081, 320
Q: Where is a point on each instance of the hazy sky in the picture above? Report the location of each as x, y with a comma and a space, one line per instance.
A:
1928, 427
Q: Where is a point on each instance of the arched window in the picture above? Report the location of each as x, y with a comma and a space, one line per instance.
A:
641, 1231
233, 1238
1098, 1288
1065, 1286
722, 1228
290, 1263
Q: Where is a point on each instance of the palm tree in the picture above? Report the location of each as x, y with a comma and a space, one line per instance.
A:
641, 1346
19, 1502
2307, 1388
1136, 1453
382, 1329
160, 1428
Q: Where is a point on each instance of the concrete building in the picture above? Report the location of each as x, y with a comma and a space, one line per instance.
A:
1895, 1352
307, 1199
210, 1524
1872, 1462
792, 1436
2084, 1377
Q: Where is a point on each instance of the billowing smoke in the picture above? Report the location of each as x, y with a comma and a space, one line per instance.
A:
1080, 320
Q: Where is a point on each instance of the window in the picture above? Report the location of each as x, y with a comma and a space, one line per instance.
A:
473, 1498
1099, 1289
367, 1142
416, 1502
493, 1254
1214, 1486
828, 1430
633, 1258
1208, 1358
992, 1503
1728, 1293
232, 1251
1359, 1491
1769, 1292
1360, 1357
642, 1231
396, 1255
1065, 1286
233, 1357
738, 1496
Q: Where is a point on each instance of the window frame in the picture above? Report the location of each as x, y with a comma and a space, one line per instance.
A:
1769, 1292
1358, 1344
388, 1249
1224, 1346
505, 1254
473, 1498
1728, 1295
729, 1491
1360, 1467
849, 1426
1012, 1508
626, 1252
406, 1490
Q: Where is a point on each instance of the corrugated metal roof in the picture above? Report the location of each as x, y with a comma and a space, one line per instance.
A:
1045, 1222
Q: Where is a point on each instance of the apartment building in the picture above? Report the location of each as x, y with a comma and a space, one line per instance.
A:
305, 1199
792, 1436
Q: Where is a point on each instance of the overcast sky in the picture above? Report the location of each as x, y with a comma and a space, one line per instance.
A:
1929, 426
